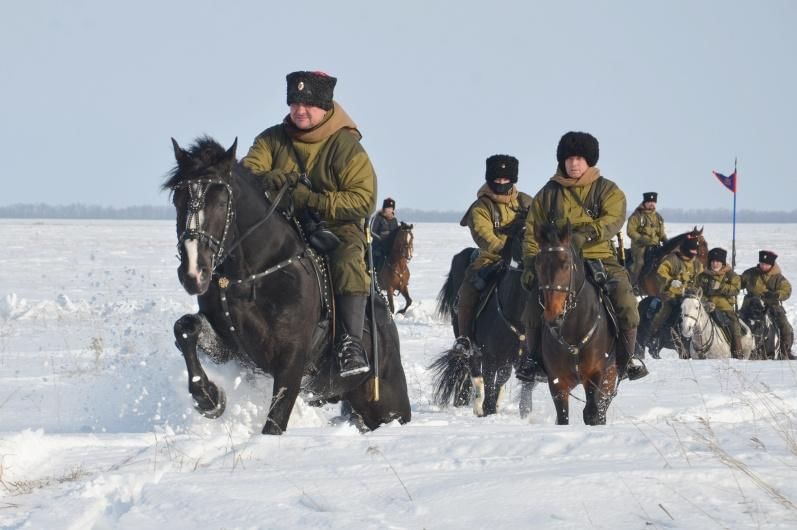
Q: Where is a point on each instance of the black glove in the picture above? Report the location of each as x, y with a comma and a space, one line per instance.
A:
583, 235
771, 297
277, 178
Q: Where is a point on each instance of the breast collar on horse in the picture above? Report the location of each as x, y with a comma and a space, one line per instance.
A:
570, 304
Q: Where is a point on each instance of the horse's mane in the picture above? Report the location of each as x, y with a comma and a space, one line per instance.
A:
204, 153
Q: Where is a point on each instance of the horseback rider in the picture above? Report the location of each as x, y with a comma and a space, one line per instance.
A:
720, 286
676, 273
645, 228
385, 223
595, 208
498, 205
316, 150
766, 281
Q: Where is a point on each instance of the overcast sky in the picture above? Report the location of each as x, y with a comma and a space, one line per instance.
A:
92, 90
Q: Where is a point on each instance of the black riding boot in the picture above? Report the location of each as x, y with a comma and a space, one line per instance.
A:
466, 307
530, 367
349, 347
628, 364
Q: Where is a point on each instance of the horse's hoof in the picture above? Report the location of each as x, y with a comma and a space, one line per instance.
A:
213, 404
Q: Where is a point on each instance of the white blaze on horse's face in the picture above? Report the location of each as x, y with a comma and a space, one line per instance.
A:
690, 313
192, 245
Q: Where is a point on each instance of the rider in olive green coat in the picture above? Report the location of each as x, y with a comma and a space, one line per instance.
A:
766, 281
676, 273
319, 140
720, 286
645, 228
497, 206
595, 208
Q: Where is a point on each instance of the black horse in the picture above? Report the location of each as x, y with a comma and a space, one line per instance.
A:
263, 297
498, 336
765, 331
578, 338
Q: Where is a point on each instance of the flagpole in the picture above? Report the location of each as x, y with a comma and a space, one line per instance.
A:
735, 186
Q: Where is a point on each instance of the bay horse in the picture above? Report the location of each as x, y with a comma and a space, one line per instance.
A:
578, 339
498, 338
703, 337
263, 297
394, 276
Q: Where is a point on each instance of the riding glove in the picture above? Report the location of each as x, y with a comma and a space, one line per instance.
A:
527, 277
277, 178
583, 235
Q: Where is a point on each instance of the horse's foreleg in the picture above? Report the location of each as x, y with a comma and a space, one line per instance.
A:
525, 403
283, 396
209, 399
560, 392
599, 390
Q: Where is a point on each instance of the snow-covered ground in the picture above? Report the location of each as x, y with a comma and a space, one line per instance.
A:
97, 429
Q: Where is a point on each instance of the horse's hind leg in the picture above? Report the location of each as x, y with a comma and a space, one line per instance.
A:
287, 382
405, 292
209, 399
494, 387
526, 389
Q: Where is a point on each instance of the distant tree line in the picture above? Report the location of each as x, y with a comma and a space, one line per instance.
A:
410, 215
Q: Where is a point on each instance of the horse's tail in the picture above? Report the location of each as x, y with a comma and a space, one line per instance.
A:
448, 292
451, 378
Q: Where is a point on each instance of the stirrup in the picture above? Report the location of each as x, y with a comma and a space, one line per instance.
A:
463, 345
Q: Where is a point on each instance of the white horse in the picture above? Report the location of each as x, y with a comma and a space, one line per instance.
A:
704, 337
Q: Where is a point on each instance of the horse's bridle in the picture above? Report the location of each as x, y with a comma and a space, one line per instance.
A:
572, 293
707, 346
197, 192
570, 304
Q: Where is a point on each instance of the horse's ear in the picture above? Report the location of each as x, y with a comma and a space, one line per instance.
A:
700, 232
179, 153
231, 151
412, 226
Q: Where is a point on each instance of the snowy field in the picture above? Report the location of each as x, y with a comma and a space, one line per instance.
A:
97, 430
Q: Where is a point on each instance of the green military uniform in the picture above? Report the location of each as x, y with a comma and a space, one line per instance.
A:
497, 206
773, 288
343, 185
645, 228
674, 275
556, 202
721, 288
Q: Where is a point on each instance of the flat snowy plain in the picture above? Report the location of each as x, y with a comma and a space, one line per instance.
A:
97, 430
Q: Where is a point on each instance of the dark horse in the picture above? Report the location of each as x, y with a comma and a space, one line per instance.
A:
766, 335
394, 276
578, 339
262, 299
498, 334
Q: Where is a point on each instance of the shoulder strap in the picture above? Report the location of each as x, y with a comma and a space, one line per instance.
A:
592, 205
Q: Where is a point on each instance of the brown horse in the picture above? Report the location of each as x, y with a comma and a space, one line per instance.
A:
578, 341
647, 276
394, 276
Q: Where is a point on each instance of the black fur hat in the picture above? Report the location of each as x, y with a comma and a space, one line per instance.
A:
689, 246
650, 196
388, 203
767, 256
311, 88
501, 166
718, 254
577, 144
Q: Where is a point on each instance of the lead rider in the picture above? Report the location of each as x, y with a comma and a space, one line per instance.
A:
318, 138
